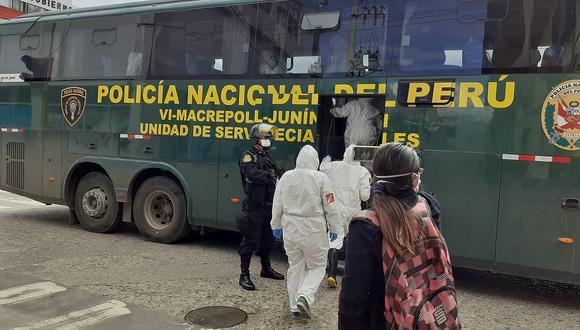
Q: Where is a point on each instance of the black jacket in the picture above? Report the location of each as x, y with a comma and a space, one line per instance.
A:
434, 206
361, 303
259, 173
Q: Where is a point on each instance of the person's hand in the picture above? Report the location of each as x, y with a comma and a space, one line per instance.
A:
333, 237
277, 233
327, 158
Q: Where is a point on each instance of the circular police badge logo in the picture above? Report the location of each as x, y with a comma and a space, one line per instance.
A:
561, 115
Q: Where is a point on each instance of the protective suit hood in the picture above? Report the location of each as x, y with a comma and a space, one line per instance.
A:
307, 158
349, 154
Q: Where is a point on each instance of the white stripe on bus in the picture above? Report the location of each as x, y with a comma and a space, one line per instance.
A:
510, 157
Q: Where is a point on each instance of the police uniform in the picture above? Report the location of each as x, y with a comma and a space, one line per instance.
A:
259, 175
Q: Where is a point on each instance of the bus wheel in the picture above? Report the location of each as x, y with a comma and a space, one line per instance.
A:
159, 209
95, 204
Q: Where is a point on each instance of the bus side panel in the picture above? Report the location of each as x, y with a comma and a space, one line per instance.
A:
199, 165
1, 163
532, 220
52, 165
467, 186
93, 144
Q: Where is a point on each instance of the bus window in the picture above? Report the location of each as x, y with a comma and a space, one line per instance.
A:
481, 36
283, 47
202, 42
553, 34
29, 56
433, 37
110, 48
357, 47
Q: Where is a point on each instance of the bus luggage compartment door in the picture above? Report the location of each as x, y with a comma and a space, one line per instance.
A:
539, 227
52, 169
230, 191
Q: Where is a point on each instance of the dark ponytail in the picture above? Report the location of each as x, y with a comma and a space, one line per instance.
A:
394, 197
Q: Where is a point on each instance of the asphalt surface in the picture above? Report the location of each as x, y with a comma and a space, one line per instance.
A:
53, 275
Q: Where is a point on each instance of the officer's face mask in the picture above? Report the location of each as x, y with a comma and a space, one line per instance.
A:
265, 143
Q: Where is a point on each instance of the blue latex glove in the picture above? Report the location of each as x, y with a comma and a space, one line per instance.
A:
277, 233
333, 237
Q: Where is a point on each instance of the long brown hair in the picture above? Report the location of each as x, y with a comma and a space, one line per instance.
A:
396, 222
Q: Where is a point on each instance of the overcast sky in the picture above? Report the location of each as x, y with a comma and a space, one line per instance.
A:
89, 3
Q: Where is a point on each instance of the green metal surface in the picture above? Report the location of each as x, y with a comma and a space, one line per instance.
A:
531, 218
467, 186
52, 176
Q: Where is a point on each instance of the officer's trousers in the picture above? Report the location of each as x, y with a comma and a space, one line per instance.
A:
258, 237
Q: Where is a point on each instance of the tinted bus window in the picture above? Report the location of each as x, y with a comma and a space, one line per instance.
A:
30, 55
473, 37
105, 48
357, 48
282, 46
202, 42
321, 38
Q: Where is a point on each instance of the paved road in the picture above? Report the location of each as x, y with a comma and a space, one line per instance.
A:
53, 274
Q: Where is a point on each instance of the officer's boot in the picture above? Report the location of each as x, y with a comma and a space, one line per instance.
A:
268, 272
245, 280
332, 266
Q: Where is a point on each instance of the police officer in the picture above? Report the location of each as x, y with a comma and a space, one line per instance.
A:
259, 175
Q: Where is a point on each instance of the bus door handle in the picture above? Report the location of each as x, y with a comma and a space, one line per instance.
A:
225, 175
570, 204
92, 146
148, 150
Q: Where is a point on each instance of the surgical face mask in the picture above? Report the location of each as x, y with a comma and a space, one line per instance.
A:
418, 178
265, 143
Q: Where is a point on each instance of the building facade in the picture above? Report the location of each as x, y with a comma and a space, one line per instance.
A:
13, 8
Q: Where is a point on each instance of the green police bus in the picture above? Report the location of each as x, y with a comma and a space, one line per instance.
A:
140, 112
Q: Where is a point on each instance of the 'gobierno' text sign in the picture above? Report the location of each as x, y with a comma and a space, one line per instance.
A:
51, 4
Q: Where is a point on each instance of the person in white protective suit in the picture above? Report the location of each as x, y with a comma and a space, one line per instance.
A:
362, 124
303, 209
352, 185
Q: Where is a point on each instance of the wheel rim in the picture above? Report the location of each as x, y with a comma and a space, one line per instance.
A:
159, 210
95, 202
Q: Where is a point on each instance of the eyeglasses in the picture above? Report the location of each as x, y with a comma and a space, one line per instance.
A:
420, 170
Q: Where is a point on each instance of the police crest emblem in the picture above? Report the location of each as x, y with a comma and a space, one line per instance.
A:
72, 103
561, 116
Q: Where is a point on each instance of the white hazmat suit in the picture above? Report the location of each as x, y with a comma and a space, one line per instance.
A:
304, 207
352, 184
362, 124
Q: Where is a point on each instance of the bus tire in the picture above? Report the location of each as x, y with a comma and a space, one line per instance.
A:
95, 203
159, 209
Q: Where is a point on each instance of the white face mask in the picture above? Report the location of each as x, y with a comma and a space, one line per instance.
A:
265, 143
418, 176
